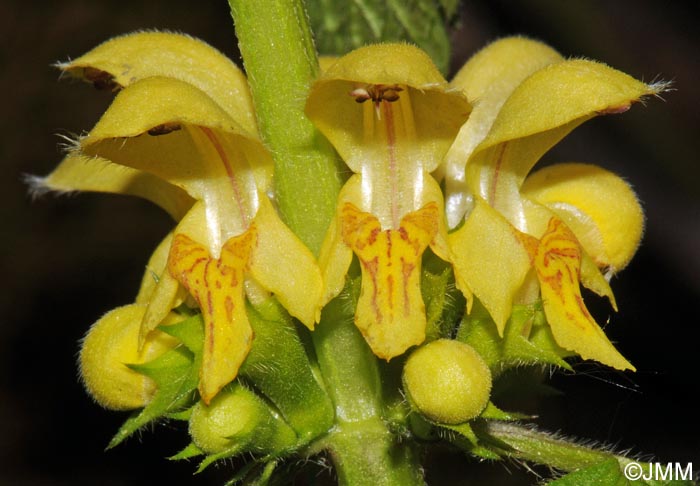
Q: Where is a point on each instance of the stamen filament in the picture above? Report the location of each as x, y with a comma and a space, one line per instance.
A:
392, 181
235, 186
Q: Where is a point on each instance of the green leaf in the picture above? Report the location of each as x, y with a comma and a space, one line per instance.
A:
611, 473
444, 304
253, 472
190, 332
590, 466
257, 472
467, 440
176, 374
478, 330
422, 429
234, 450
494, 413
266, 475
606, 473
340, 27
527, 338
188, 452
183, 415
449, 7
278, 366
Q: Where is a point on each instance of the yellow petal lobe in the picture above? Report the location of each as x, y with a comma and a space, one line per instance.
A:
285, 266
501, 66
217, 285
382, 79
178, 133
390, 311
594, 280
538, 217
490, 260
155, 267
488, 79
81, 173
335, 256
597, 205
539, 113
558, 265
122, 61
167, 292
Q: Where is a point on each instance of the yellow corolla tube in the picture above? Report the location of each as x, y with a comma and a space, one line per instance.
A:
389, 114
561, 222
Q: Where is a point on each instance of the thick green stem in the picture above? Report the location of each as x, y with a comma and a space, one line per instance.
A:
363, 449
280, 61
365, 453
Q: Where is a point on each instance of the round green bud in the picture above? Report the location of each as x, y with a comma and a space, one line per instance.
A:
111, 344
238, 416
447, 381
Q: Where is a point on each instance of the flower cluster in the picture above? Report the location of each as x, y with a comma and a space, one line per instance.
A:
182, 132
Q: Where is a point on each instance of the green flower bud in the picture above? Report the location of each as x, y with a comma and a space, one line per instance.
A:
237, 416
447, 381
111, 344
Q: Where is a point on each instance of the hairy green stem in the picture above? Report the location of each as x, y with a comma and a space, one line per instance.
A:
280, 60
363, 449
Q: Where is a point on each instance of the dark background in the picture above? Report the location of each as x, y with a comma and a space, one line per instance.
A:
65, 261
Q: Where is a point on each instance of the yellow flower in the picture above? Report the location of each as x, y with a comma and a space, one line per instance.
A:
107, 351
566, 221
181, 132
390, 116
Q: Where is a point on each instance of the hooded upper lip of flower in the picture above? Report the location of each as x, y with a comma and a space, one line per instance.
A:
391, 117
566, 220
181, 132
